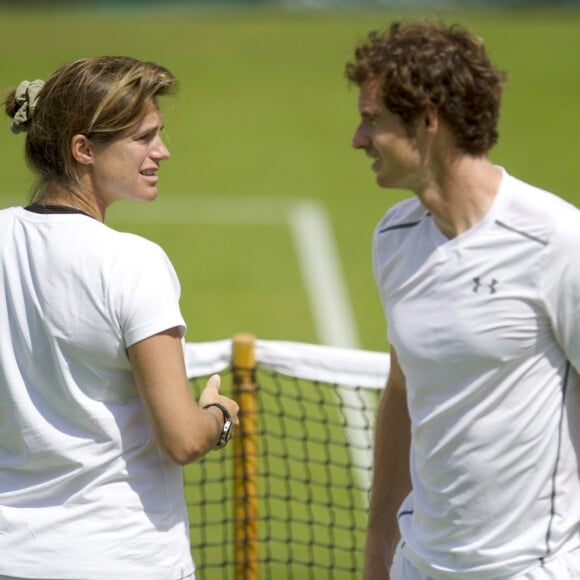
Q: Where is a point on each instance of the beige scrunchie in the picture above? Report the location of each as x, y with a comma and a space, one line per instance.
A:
26, 99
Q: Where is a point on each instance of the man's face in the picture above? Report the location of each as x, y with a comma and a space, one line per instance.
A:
386, 140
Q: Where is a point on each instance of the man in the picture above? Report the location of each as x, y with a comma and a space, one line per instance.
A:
476, 470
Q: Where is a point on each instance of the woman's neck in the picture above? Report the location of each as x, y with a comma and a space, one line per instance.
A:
72, 200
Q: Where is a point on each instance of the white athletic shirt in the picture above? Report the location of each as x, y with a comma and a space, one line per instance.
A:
85, 492
485, 327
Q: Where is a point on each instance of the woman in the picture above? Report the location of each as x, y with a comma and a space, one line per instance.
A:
96, 415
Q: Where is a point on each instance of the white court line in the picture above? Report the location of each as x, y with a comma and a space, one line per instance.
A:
313, 239
333, 314
322, 274
321, 271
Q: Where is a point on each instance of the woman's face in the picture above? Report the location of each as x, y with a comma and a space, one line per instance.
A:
127, 167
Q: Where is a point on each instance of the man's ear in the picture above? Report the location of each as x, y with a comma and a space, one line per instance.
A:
81, 149
431, 119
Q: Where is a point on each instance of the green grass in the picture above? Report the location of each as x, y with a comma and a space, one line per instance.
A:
263, 110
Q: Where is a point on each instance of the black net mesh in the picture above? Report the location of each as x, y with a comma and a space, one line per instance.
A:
314, 446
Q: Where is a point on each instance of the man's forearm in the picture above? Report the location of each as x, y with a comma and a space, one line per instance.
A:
391, 478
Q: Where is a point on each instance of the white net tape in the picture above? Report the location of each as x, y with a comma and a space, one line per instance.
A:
329, 364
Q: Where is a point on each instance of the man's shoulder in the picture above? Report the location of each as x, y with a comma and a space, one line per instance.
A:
538, 200
403, 215
541, 212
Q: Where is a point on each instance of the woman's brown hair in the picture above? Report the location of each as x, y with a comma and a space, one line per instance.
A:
100, 97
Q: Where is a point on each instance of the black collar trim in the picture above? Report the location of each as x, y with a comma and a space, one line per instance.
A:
54, 208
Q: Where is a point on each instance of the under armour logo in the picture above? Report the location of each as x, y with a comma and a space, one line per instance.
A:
478, 283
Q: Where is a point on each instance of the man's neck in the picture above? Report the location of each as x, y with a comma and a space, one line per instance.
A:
460, 194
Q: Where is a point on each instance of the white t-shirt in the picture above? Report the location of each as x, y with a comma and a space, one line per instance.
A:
486, 327
85, 492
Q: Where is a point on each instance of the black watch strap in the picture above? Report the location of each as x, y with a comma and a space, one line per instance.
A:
226, 433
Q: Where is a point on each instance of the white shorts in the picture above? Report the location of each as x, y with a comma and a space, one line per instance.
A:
562, 567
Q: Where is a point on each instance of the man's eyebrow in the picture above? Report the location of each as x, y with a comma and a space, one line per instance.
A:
368, 113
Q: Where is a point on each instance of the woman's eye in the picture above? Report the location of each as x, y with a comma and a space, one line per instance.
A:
146, 137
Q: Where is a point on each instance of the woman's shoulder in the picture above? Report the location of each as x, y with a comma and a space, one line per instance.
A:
119, 241
110, 249
10, 213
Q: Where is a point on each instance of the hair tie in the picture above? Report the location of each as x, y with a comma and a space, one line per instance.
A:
26, 98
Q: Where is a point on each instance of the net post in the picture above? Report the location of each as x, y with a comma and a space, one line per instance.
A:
245, 459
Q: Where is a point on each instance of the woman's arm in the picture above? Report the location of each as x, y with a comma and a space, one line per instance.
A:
183, 429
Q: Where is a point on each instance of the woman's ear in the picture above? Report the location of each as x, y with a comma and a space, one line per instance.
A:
81, 149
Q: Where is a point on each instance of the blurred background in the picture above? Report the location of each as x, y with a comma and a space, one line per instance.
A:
263, 121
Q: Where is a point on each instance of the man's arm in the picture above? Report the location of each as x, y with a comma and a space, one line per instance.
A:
391, 479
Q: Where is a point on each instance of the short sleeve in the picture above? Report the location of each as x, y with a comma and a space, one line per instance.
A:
146, 292
562, 290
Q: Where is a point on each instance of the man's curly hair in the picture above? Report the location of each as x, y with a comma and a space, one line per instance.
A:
430, 63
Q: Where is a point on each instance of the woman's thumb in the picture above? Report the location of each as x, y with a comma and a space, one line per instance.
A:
214, 382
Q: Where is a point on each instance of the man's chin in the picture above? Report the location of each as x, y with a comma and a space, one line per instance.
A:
382, 182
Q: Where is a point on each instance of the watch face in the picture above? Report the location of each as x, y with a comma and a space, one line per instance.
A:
226, 433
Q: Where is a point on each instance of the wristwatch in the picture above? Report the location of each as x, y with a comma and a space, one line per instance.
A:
226, 433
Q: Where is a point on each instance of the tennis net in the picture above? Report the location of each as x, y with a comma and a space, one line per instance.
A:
289, 497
